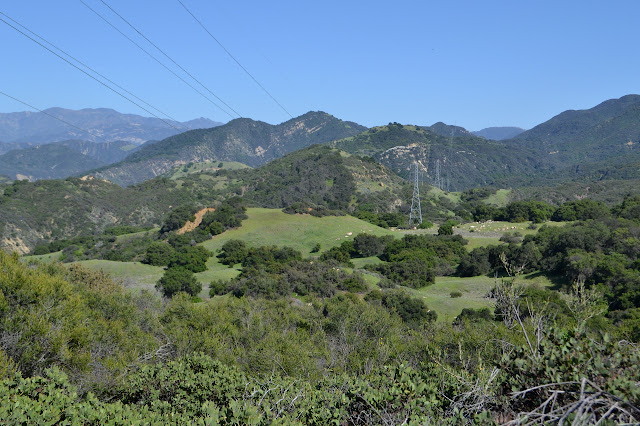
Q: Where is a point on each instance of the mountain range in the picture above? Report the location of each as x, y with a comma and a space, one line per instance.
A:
61, 159
99, 125
243, 140
499, 133
347, 166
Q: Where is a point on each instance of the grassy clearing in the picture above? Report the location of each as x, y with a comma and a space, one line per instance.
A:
45, 258
360, 262
301, 232
136, 276
500, 199
473, 289
206, 166
482, 234
436, 193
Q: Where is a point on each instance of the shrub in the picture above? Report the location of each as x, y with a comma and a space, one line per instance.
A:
176, 280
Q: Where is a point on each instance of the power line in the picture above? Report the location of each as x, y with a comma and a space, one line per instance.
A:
52, 116
233, 57
91, 76
92, 70
156, 59
170, 58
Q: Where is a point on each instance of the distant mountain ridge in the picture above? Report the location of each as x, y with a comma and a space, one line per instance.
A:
61, 159
103, 124
499, 133
243, 140
602, 142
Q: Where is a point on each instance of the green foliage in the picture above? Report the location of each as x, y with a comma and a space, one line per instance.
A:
217, 288
193, 259
566, 358
232, 252
629, 208
366, 245
471, 316
410, 309
581, 210
445, 229
341, 254
522, 211
125, 229
177, 218
73, 318
414, 273
177, 280
302, 177
159, 254
227, 215
425, 225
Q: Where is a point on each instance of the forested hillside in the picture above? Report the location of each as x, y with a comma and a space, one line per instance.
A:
468, 161
243, 140
318, 179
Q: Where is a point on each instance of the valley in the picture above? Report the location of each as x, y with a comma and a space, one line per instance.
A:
282, 257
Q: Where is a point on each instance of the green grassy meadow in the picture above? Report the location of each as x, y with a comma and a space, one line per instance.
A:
192, 168
301, 232
473, 289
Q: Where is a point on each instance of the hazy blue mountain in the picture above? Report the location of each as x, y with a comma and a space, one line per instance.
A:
243, 140
49, 161
61, 159
499, 133
105, 125
9, 146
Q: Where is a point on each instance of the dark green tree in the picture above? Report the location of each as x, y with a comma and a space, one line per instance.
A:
176, 280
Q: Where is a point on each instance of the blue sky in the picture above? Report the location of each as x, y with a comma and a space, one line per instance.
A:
471, 63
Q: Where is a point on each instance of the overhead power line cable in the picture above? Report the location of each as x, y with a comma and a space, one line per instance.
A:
52, 116
170, 58
92, 70
90, 76
233, 57
157, 60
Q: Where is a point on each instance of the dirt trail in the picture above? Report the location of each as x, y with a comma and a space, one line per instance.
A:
190, 226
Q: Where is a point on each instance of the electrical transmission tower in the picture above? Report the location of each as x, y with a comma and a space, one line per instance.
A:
438, 183
416, 211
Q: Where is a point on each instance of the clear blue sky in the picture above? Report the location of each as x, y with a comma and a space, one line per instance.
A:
471, 63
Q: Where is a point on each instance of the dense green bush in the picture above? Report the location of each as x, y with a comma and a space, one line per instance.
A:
177, 280
177, 218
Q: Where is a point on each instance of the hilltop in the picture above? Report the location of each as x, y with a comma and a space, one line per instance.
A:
467, 160
242, 140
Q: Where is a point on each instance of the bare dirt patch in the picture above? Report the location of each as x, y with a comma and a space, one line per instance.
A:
190, 226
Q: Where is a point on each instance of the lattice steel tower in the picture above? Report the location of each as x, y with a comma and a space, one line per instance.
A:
438, 179
416, 211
